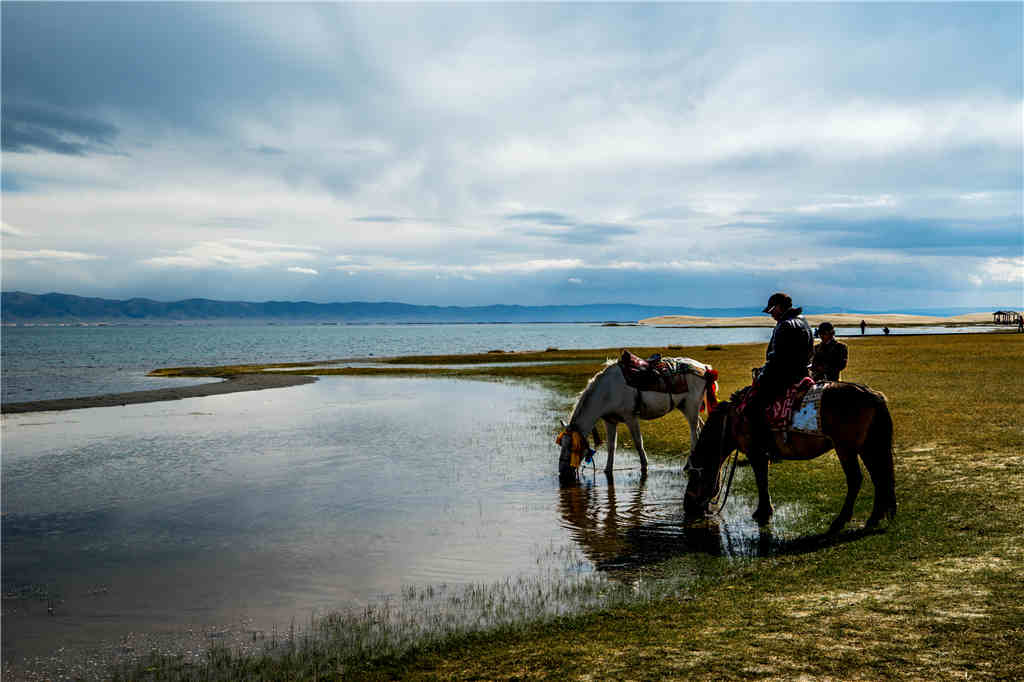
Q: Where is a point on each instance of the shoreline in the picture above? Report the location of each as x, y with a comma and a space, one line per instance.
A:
256, 381
234, 384
837, 319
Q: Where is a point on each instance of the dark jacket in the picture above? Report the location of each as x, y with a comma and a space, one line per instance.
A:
829, 360
788, 352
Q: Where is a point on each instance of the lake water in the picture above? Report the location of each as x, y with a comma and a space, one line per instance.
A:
41, 363
252, 510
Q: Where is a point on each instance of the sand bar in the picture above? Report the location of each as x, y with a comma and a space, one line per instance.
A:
241, 382
838, 319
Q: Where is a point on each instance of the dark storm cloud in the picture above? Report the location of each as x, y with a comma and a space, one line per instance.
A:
27, 128
174, 64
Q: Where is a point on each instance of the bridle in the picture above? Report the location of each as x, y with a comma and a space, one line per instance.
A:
719, 498
579, 448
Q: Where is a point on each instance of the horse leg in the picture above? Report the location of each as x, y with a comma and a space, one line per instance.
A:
877, 455
691, 411
885, 497
610, 432
764, 511
638, 441
854, 478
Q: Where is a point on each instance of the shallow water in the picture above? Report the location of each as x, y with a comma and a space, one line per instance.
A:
254, 510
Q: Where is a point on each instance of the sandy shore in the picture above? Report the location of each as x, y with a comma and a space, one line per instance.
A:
838, 319
242, 382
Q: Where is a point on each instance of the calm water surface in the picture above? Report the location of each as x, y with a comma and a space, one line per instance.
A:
264, 507
41, 363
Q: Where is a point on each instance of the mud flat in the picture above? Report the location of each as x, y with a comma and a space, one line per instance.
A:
234, 384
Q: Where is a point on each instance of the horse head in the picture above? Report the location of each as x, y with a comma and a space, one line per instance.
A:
575, 449
715, 443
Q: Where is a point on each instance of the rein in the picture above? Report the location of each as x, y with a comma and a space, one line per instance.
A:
732, 470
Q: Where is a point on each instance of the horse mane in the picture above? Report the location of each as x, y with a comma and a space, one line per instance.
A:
581, 397
737, 396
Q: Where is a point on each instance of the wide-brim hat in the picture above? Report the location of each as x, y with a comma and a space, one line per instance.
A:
778, 298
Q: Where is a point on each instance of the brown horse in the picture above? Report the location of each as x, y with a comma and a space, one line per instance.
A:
855, 420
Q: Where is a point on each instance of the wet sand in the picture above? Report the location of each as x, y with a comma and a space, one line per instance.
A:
838, 319
242, 382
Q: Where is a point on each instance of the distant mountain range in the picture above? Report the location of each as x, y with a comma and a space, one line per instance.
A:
21, 308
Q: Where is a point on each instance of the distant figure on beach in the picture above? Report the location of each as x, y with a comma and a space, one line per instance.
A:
885, 330
829, 357
1020, 323
863, 326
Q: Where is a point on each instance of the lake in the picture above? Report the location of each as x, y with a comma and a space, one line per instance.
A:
250, 511
43, 363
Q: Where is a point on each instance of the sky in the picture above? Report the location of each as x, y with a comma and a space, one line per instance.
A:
856, 156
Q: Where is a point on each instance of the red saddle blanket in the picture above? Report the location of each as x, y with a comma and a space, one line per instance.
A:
663, 375
780, 413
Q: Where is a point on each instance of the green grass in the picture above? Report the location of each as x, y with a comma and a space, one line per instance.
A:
936, 594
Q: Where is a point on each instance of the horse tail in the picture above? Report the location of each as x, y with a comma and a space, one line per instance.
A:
879, 442
710, 389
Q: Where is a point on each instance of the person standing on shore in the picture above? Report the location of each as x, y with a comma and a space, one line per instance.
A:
863, 326
829, 356
1020, 323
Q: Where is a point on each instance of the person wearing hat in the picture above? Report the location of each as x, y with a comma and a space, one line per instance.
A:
786, 363
829, 356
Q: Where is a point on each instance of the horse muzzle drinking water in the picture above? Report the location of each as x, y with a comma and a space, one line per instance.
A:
852, 419
627, 391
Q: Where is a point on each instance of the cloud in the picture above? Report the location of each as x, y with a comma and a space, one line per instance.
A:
502, 268
48, 255
11, 230
303, 271
1009, 270
565, 229
28, 128
496, 152
232, 253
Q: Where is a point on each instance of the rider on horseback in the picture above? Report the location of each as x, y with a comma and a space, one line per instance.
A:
786, 359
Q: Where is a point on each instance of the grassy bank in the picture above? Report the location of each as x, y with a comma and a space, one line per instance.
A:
937, 594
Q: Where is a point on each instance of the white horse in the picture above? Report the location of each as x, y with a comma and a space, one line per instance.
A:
607, 396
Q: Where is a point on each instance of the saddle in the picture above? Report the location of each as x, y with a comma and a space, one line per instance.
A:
663, 375
798, 409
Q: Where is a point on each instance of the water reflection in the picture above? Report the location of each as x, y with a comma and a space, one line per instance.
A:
631, 526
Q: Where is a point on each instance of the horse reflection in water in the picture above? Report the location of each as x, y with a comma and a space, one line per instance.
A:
644, 523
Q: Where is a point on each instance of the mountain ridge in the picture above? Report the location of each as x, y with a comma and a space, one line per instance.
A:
18, 307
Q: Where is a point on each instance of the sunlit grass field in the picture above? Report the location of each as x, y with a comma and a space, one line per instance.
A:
936, 594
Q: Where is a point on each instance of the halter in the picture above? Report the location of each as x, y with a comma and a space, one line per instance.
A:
718, 498
579, 449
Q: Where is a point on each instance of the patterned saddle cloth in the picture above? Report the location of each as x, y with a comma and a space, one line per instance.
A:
663, 375
798, 409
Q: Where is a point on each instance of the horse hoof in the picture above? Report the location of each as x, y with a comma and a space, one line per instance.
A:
836, 526
762, 516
